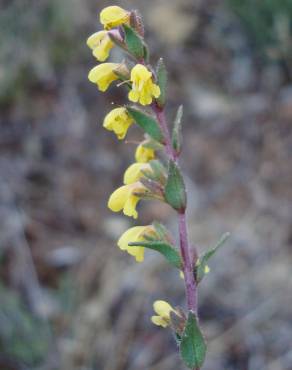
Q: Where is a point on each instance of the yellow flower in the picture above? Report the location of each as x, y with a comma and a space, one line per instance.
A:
144, 154
124, 198
163, 310
103, 75
101, 45
113, 16
134, 172
143, 88
118, 120
135, 234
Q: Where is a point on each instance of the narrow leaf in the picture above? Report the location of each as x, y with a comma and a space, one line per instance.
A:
175, 193
165, 249
176, 133
146, 122
192, 346
134, 42
203, 260
162, 82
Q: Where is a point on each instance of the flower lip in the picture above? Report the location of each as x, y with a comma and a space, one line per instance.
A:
143, 87
125, 198
118, 120
135, 234
144, 154
101, 45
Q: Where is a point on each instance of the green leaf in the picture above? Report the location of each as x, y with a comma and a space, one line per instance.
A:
174, 192
162, 247
162, 82
192, 347
176, 133
146, 122
134, 42
203, 260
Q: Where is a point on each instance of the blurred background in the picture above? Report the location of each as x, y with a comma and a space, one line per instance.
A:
69, 299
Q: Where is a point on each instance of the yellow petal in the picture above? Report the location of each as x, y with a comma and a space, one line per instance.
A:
162, 308
103, 75
130, 235
145, 99
140, 72
124, 199
130, 206
159, 321
102, 50
155, 90
144, 154
143, 88
95, 39
118, 198
113, 16
134, 172
133, 234
119, 121
133, 96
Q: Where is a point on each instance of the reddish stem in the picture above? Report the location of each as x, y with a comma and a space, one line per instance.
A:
188, 267
190, 284
164, 128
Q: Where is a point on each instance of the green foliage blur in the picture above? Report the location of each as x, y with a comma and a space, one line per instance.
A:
22, 335
268, 24
36, 38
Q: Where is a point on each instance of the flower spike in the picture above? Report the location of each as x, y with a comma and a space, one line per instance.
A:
151, 177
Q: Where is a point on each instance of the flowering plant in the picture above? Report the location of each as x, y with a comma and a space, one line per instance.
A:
155, 174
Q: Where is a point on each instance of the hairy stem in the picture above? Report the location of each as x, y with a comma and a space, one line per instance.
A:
190, 283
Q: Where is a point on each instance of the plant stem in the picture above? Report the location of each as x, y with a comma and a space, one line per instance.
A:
190, 284
165, 131
188, 267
